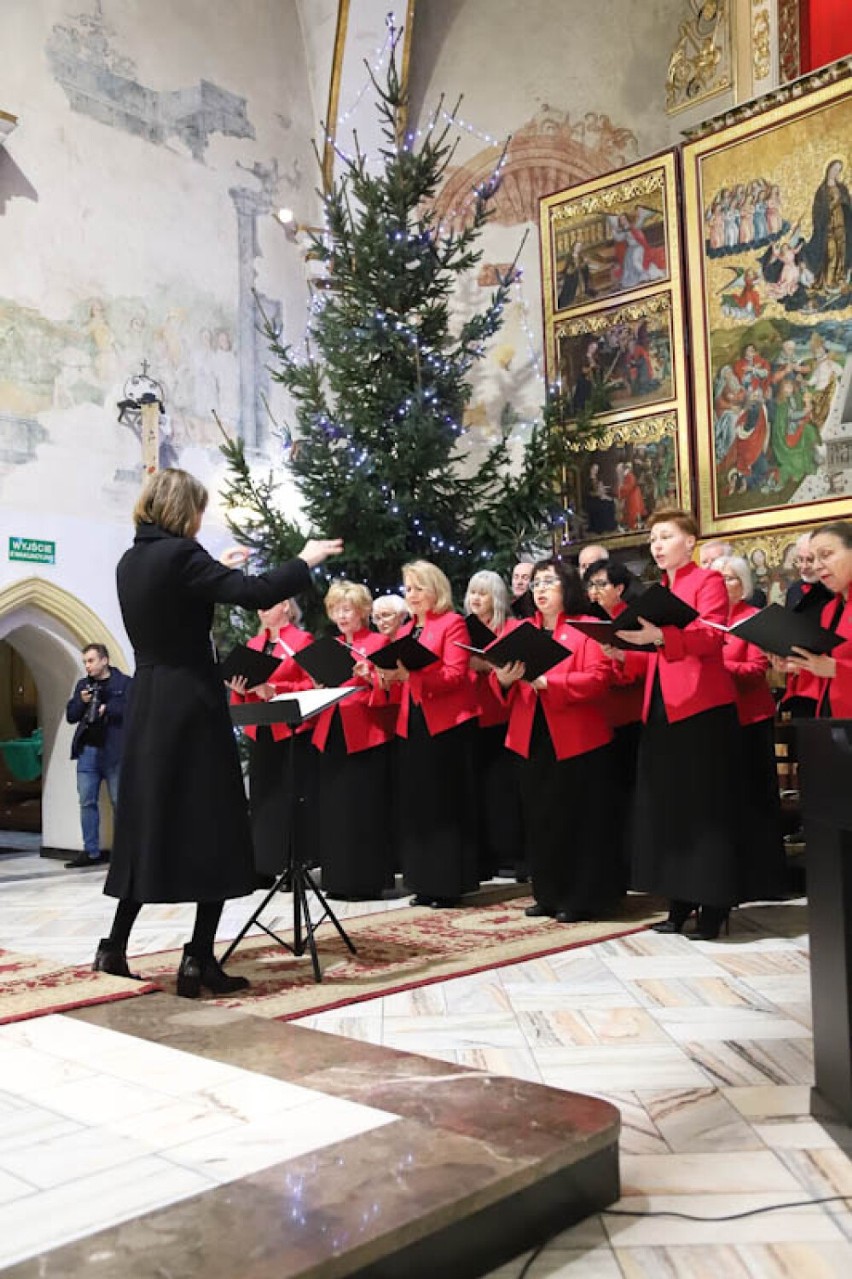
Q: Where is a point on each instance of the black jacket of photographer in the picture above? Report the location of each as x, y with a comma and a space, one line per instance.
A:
92, 728
182, 830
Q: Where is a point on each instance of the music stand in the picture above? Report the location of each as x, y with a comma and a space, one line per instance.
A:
293, 709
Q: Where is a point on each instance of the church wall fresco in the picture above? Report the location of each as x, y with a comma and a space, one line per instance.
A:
154, 144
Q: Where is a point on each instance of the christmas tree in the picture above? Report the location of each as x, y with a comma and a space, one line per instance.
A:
379, 454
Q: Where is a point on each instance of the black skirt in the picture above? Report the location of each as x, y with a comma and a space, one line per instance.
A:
500, 830
437, 809
282, 800
764, 864
687, 840
352, 818
572, 854
625, 761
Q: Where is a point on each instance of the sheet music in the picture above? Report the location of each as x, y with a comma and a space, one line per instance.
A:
312, 701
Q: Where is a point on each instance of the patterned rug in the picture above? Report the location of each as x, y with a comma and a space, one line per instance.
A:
34, 987
399, 950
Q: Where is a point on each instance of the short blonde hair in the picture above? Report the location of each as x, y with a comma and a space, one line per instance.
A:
342, 591
433, 580
174, 500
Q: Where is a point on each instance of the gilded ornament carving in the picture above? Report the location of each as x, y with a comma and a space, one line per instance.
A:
821, 79
632, 314
789, 40
601, 201
700, 63
645, 430
760, 42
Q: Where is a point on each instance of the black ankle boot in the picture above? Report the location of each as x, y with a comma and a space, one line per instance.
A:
711, 921
110, 959
679, 913
206, 971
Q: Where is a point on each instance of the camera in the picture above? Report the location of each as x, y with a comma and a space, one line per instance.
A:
93, 708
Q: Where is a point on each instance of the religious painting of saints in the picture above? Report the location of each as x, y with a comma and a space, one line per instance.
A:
768, 214
617, 359
611, 485
610, 237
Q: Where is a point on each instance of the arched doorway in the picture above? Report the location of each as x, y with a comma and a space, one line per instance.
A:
48, 626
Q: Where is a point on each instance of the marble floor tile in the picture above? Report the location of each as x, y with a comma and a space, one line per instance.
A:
706, 1174
783, 1226
742, 1261
624, 1067
698, 1120
565, 1263
768, 1102
89, 1204
419, 1034
689, 1025
776, 1061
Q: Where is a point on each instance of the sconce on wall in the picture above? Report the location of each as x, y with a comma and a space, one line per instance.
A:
286, 218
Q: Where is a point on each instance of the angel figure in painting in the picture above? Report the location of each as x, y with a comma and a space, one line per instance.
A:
636, 260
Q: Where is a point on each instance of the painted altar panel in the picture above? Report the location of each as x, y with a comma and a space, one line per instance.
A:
768, 229
615, 348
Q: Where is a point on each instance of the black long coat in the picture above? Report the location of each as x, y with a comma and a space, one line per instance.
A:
182, 830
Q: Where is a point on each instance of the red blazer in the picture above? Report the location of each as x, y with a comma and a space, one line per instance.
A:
492, 707
574, 702
626, 694
692, 673
443, 690
839, 689
364, 724
747, 666
287, 678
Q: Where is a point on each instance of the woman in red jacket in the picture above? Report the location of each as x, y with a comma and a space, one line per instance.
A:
559, 726
687, 845
611, 587
760, 821
352, 834
832, 547
281, 784
437, 718
499, 813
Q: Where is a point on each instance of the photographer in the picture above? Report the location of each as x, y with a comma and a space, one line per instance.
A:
97, 708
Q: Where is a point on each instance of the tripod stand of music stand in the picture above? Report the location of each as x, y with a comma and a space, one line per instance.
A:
293, 711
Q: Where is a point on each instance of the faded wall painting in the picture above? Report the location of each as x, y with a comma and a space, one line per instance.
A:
769, 229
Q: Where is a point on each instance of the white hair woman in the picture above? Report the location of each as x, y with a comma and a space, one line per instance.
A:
760, 813
437, 717
352, 837
389, 612
498, 798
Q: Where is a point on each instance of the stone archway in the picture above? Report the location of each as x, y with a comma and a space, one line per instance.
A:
48, 626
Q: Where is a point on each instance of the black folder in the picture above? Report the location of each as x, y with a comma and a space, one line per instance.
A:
606, 632
480, 634
526, 643
327, 661
251, 664
659, 605
779, 630
413, 655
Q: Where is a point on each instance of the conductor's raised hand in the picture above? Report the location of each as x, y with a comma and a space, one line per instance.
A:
235, 556
317, 549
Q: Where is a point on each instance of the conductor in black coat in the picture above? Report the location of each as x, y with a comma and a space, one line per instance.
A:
182, 830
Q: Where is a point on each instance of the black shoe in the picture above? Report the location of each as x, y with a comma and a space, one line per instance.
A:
109, 959
83, 859
679, 913
536, 911
420, 900
445, 903
571, 916
711, 921
209, 973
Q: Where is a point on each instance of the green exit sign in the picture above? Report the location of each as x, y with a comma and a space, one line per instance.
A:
32, 550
